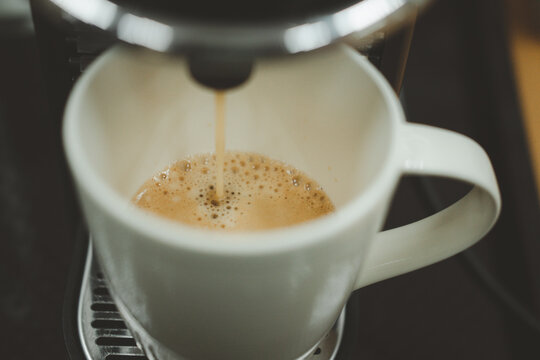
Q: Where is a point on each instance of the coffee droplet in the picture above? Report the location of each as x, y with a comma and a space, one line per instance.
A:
259, 197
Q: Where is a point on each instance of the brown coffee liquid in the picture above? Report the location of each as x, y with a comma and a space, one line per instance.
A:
259, 193
220, 142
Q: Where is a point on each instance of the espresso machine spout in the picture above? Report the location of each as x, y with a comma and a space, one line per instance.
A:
222, 39
220, 72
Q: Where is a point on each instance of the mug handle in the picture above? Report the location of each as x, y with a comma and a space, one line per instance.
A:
428, 150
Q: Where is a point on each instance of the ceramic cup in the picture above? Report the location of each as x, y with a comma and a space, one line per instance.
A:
201, 294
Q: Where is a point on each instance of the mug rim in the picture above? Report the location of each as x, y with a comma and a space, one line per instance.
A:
176, 234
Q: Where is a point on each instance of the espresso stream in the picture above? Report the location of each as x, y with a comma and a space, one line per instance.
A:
233, 190
220, 142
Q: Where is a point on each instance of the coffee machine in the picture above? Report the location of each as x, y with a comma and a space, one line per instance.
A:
68, 45
221, 40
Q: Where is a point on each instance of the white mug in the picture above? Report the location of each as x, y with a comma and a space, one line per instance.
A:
201, 294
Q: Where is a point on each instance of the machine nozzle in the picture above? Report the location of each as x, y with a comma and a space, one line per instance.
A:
220, 73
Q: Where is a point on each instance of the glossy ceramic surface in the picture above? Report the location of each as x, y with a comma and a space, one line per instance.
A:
270, 294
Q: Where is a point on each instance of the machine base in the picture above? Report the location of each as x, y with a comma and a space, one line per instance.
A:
109, 332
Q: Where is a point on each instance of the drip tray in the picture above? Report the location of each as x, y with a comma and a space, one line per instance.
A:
105, 336
103, 332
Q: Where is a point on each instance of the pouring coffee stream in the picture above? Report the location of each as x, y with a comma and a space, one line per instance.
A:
220, 143
220, 74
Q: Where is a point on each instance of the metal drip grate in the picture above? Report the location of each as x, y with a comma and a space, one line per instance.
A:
105, 335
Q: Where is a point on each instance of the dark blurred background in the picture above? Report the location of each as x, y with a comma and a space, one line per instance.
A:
484, 304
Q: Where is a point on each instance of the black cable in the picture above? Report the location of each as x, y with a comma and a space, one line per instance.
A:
477, 269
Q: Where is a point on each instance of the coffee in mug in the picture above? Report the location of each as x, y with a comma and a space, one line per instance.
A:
260, 193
